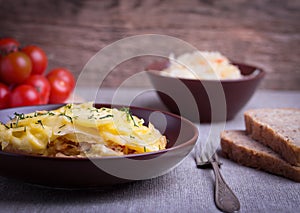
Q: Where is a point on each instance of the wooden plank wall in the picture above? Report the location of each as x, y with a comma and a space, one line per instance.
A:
265, 33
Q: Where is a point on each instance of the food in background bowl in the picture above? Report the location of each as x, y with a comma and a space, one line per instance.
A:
80, 130
201, 65
204, 100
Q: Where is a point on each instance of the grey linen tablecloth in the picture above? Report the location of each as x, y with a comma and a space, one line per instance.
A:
184, 189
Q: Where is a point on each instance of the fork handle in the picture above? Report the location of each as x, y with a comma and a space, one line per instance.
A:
225, 199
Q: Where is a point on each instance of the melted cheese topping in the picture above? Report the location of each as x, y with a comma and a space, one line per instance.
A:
80, 130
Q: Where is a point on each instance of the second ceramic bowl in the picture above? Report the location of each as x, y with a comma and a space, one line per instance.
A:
205, 100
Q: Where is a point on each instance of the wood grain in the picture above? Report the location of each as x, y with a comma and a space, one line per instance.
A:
258, 32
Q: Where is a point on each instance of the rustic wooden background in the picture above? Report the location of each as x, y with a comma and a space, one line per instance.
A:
265, 33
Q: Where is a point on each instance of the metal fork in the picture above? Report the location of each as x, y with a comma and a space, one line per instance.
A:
225, 199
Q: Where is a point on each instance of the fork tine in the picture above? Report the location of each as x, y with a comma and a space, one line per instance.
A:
211, 148
207, 156
201, 158
198, 154
198, 161
216, 159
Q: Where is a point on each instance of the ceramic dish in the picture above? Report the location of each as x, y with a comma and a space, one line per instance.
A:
179, 94
105, 171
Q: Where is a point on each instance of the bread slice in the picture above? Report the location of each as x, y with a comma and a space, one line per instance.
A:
239, 147
278, 129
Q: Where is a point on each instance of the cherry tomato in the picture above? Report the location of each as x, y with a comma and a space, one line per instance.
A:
24, 95
15, 67
4, 96
38, 59
60, 91
42, 86
62, 84
63, 74
8, 45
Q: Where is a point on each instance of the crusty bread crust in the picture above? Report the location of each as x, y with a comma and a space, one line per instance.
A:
278, 129
239, 147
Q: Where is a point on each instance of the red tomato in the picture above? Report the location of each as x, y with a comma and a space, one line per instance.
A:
62, 83
63, 74
60, 91
38, 59
24, 95
42, 86
15, 67
4, 96
8, 45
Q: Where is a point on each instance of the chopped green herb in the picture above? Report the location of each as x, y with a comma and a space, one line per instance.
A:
40, 122
7, 127
106, 116
93, 110
40, 113
17, 122
59, 132
126, 110
20, 116
62, 126
51, 113
91, 116
69, 106
132, 136
67, 116
128, 115
145, 149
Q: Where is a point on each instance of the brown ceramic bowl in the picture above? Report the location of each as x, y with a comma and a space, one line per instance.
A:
205, 100
105, 171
